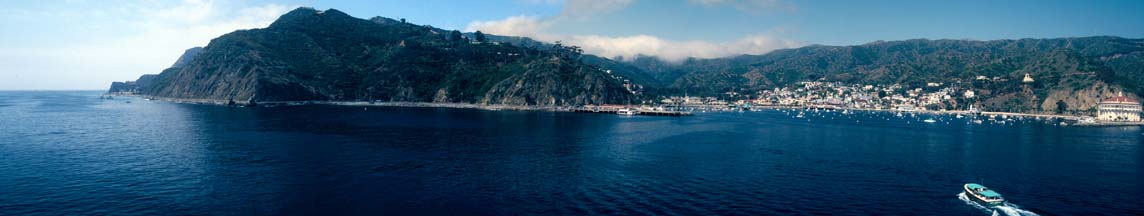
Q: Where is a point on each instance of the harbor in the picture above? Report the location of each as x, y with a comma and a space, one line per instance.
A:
624, 110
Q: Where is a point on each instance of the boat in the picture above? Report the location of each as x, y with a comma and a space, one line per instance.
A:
929, 121
983, 195
626, 111
1087, 120
800, 115
973, 110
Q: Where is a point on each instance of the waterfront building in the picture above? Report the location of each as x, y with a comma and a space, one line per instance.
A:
1119, 108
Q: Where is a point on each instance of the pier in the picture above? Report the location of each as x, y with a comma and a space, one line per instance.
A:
663, 113
1068, 117
612, 109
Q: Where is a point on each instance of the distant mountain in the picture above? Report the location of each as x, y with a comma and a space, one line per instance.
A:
619, 68
514, 40
309, 54
1079, 71
143, 84
187, 56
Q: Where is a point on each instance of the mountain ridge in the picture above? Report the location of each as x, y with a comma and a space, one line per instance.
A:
309, 54
1078, 70
328, 55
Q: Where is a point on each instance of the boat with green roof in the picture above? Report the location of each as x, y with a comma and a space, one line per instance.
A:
984, 195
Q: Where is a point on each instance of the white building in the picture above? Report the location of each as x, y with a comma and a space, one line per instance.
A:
1118, 108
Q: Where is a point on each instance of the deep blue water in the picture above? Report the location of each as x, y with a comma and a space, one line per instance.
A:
70, 153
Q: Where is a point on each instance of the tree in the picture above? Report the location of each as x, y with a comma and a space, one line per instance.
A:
558, 46
455, 36
1062, 106
480, 37
402, 20
567, 52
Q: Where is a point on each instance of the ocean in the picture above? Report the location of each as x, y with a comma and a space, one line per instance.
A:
72, 153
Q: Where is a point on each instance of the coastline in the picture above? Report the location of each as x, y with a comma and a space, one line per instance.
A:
509, 107
493, 107
1109, 124
940, 112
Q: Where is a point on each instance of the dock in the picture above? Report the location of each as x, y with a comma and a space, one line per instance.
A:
1108, 124
611, 109
663, 113
1067, 117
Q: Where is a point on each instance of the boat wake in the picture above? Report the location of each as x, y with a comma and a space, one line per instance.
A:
1007, 209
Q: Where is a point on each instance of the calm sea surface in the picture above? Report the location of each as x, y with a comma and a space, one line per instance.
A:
71, 153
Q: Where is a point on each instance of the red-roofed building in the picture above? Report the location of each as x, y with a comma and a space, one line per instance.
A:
1119, 108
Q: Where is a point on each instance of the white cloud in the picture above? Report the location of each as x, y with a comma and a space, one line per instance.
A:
516, 26
631, 46
676, 51
148, 40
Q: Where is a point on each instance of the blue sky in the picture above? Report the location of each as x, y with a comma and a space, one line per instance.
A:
85, 44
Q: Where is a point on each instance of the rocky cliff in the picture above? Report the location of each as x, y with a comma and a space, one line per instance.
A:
144, 83
309, 54
140, 85
187, 56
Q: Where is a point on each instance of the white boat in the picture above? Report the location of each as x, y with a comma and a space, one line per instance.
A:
626, 111
983, 194
929, 121
973, 110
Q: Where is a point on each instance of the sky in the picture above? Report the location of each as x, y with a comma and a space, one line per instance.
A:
86, 44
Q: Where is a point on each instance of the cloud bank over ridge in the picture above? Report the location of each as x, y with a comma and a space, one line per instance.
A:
630, 46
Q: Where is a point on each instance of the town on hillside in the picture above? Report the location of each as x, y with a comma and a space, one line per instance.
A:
934, 98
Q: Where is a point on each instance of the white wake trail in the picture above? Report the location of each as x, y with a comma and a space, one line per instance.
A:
1007, 209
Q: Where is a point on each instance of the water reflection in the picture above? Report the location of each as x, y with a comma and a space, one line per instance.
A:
161, 158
